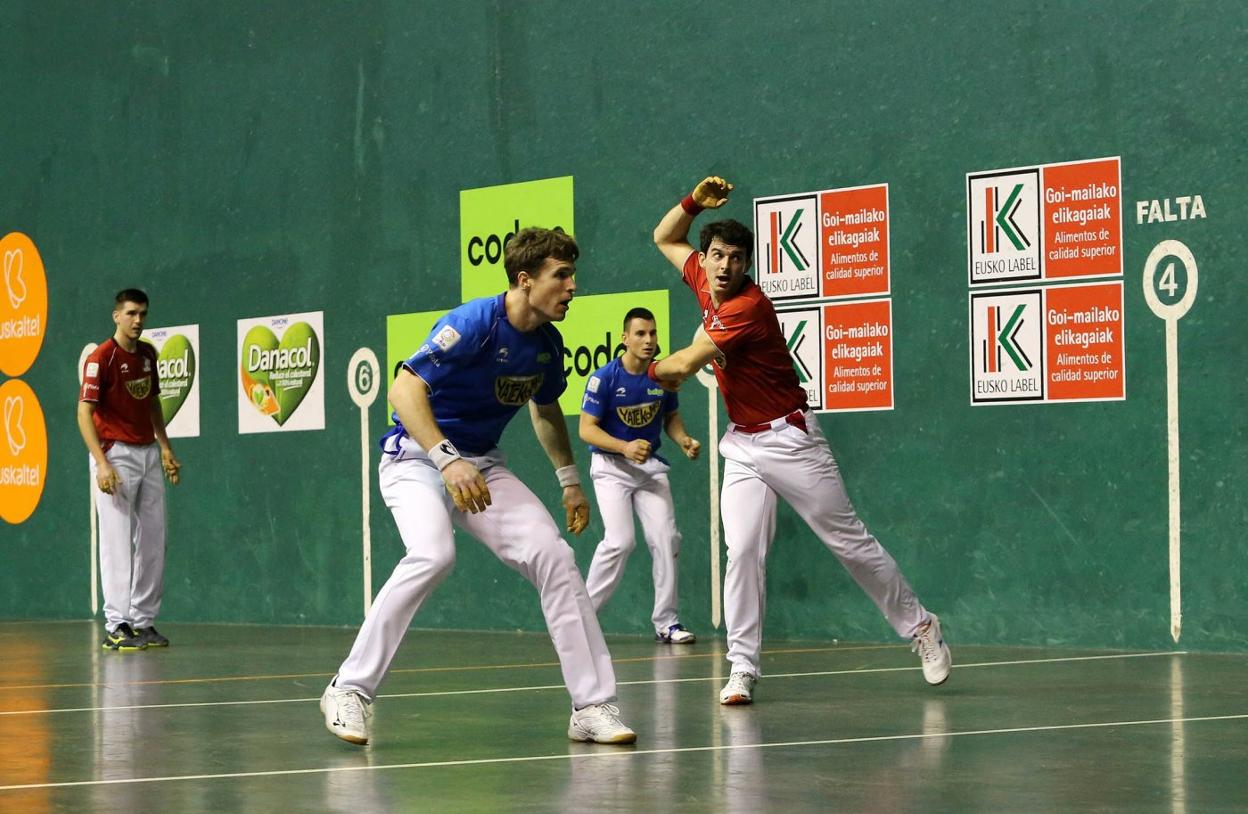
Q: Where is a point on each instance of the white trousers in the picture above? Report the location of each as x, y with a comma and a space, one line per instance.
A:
797, 466
132, 536
520, 532
621, 487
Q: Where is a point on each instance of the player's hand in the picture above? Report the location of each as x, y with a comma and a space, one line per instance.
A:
712, 192
466, 486
577, 506
637, 451
171, 465
691, 446
107, 478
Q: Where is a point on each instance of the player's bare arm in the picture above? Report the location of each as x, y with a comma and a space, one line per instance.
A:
168, 461
592, 432
464, 482
552, 434
105, 476
672, 370
674, 425
672, 233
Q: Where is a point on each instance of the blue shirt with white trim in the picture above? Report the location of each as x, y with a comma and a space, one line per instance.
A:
628, 406
480, 371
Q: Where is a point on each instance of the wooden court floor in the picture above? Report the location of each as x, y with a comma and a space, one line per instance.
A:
226, 720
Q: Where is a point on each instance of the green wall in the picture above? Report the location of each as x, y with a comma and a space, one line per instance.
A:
240, 160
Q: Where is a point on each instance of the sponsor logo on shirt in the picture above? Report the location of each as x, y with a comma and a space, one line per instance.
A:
147, 365
639, 415
594, 381
93, 368
712, 320
446, 338
140, 388
543, 358
655, 391
621, 391
516, 390
504, 355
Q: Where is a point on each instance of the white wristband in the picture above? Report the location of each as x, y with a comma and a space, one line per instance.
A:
444, 454
568, 476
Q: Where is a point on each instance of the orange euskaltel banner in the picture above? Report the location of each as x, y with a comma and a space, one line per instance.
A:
23, 324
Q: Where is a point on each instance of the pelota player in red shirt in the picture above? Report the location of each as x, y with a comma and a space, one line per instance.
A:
773, 447
120, 420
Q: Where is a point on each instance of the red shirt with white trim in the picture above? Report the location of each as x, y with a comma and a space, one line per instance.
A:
121, 385
756, 373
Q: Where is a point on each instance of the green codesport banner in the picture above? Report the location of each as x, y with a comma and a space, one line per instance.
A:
489, 216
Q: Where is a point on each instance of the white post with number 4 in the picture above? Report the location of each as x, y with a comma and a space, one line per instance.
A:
1166, 301
363, 382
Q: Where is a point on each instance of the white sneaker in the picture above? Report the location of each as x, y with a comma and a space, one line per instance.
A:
599, 723
676, 634
929, 643
738, 690
347, 714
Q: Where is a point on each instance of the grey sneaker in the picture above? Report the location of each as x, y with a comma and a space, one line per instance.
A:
929, 643
599, 723
738, 690
347, 714
151, 637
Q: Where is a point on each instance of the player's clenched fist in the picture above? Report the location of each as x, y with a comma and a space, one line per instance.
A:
577, 506
171, 465
107, 479
637, 451
712, 192
691, 447
466, 486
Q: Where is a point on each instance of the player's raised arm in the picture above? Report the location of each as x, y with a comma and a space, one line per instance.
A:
552, 434
410, 396
672, 233
670, 371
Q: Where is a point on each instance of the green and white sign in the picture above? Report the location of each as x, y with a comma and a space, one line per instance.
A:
591, 336
281, 384
177, 365
489, 216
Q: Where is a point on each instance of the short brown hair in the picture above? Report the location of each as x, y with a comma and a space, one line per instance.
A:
530, 247
730, 232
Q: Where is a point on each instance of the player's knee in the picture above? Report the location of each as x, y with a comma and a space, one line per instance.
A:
617, 545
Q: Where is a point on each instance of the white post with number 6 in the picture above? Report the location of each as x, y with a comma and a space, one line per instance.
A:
1166, 301
363, 382
92, 522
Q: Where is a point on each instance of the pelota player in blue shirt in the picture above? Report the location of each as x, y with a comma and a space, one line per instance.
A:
441, 464
622, 414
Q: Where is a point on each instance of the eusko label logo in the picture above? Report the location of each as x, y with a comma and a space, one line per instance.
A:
801, 331
1003, 214
1007, 347
787, 252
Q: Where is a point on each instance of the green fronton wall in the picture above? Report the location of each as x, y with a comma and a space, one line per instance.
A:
241, 160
